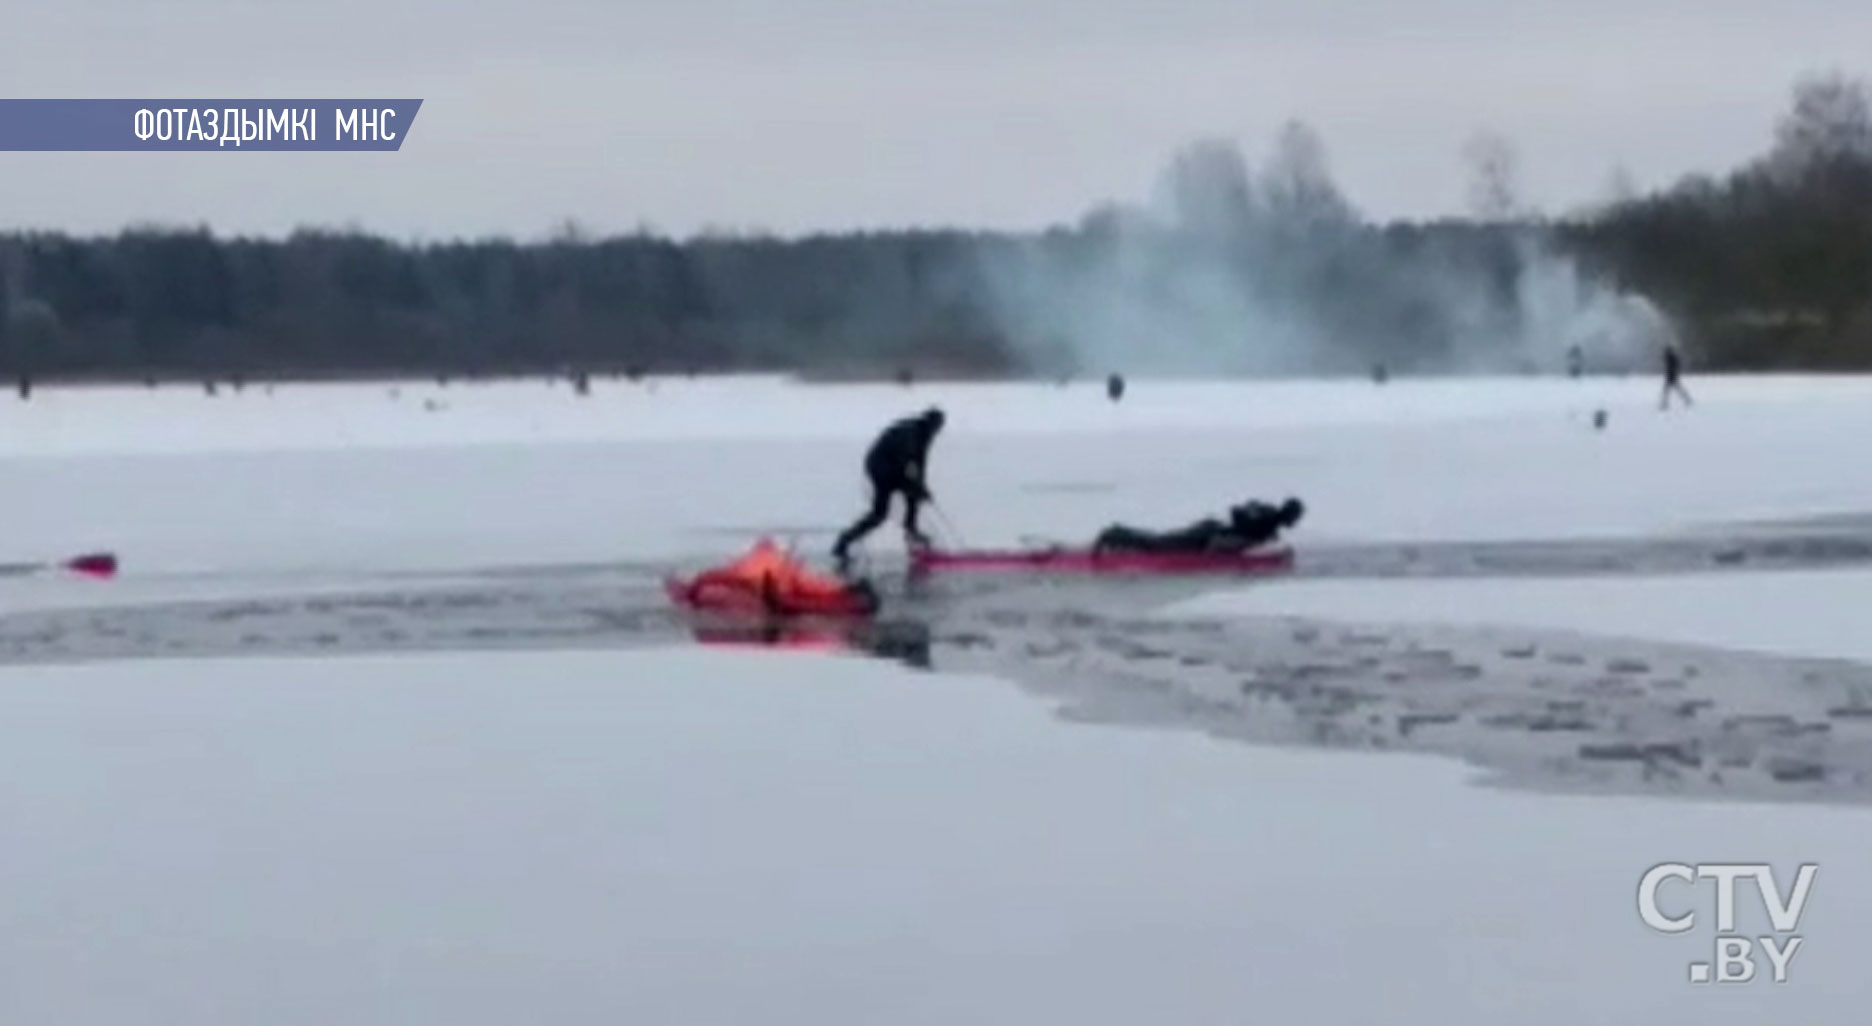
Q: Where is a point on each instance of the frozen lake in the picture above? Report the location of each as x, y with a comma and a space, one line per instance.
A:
376, 728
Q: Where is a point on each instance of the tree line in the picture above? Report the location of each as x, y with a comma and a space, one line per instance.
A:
1769, 267
1225, 269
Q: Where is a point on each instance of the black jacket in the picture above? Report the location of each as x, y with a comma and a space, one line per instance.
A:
1203, 536
900, 456
1255, 523
1249, 525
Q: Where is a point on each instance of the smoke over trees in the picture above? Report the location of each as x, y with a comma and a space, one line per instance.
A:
1272, 271
1207, 188
1229, 266
1298, 182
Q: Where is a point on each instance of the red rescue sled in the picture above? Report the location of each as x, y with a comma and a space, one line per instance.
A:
90, 564
769, 582
93, 564
1067, 560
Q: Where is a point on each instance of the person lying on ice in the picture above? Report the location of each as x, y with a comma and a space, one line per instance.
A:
896, 464
1249, 525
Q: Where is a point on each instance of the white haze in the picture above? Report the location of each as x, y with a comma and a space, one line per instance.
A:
1231, 273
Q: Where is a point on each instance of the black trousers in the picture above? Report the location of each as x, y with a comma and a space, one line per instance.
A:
882, 489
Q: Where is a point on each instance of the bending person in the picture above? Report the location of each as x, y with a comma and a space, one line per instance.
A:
896, 464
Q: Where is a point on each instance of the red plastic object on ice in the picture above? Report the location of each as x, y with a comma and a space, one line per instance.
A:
1064, 560
93, 564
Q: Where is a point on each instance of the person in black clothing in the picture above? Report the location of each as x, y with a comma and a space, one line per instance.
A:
1249, 525
896, 465
1673, 378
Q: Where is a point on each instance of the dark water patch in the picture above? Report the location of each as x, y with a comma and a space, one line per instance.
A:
1784, 547
1546, 710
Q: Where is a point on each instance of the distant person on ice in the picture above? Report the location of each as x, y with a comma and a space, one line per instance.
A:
896, 465
1673, 378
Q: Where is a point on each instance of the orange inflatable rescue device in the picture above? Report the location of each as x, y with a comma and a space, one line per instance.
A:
770, 581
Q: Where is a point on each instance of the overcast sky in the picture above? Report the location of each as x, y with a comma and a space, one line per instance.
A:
831, 114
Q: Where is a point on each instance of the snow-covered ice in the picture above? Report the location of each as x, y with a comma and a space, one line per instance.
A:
700, 836
342, 479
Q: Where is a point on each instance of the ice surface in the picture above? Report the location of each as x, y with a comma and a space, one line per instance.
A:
340, 481
697, 837
706, 838
181, 418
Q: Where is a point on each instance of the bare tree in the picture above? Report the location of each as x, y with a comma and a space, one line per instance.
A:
1494, 176
1206, 187
569, 232
1297, 185
1620, 187
1830, 118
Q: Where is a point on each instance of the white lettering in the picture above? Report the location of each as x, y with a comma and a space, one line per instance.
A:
385, 132
1647, 898
1779, 957
1786, 915
1725, 877
1733, 964
145, 124
1735, 961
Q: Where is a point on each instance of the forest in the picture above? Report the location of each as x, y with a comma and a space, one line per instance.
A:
1226, 269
